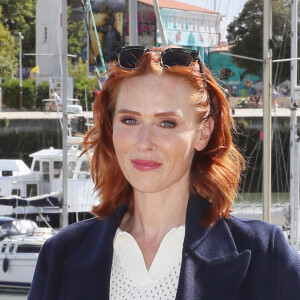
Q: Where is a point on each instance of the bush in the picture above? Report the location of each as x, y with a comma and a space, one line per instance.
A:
29, 96
42, 93
11, 93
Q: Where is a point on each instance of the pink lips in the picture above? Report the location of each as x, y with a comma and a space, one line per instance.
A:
145, 165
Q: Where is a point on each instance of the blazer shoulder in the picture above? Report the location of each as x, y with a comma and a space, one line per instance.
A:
256, 234
75, 232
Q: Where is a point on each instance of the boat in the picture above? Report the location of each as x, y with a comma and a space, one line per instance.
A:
20, 243
43, 180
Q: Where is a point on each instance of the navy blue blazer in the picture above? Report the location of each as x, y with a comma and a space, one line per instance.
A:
231, 260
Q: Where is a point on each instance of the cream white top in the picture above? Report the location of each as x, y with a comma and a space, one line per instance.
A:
130, 278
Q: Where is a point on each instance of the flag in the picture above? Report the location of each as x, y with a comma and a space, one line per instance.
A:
34, 71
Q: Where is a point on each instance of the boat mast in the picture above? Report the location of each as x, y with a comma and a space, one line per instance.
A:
294, 138
64, 60
267, 86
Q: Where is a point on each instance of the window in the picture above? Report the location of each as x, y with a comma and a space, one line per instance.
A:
45, 34
3, 248
28, 248
46, 171
57, 165
11, 248
7, 173
175, 22
36, 167
85, 169
31, 190
71, 168
16, 192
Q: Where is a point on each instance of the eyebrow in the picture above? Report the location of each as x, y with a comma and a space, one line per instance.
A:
162, 114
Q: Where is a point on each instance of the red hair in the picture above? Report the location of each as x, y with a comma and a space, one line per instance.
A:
215, 171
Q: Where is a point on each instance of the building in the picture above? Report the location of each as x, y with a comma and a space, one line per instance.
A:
231, 76
184, 25
48, 39
188, 25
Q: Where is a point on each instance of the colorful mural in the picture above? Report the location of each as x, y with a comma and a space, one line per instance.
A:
231, 76
109, 26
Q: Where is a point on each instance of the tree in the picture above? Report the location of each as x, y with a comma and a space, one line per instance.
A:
8, 62
19, 16
81, 82
75, 35
245, 34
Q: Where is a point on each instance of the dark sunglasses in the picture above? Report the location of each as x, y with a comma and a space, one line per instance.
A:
129, 56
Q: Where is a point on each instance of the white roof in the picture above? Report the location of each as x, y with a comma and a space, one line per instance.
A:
15, 165
51, 152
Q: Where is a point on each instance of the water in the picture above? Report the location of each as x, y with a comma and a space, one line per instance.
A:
13, 296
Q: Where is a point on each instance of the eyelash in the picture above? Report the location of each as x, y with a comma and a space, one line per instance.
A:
165, 123
128, 121
169, 122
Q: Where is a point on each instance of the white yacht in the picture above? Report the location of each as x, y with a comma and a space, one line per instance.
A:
37, 192
20, 243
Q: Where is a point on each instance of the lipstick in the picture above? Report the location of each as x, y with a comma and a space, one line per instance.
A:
145, 164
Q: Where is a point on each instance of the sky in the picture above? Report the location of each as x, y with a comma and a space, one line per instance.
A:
230, 8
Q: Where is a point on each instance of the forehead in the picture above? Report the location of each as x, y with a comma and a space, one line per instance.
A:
150, 89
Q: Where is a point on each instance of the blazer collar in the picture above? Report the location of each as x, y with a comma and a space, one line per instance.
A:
212, 267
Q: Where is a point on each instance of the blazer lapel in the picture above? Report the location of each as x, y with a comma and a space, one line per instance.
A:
211, 266
89, 277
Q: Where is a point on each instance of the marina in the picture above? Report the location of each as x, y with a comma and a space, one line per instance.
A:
52, 170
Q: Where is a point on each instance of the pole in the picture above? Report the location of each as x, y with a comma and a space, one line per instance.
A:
294, 139
87, 40
64, 82
133, 23
267, 86
20, 70
159, 23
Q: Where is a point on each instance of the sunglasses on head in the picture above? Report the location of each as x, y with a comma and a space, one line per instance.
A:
129, 56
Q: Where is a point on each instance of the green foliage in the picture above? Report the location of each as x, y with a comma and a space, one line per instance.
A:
5, 122
19, 16
11, 93
8, 51
81, 82
245, 34
42, 92
29, 93
75, 36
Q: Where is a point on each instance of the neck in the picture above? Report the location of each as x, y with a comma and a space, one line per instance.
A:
156, 213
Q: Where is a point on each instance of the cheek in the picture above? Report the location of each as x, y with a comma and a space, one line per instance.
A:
121, 140
180, 147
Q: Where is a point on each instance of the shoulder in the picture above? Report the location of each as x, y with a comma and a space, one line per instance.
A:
253, 231
76, 236
261, 238
75, 231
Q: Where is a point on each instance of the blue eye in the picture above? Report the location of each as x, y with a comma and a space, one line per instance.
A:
168, 124
129, 121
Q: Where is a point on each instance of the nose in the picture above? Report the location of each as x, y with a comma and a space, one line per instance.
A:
146, 138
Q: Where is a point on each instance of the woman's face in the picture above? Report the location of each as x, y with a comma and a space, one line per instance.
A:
155, 132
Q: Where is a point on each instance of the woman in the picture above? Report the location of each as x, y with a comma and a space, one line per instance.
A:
167, 172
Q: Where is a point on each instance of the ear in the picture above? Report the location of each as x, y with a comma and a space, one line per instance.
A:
204, 134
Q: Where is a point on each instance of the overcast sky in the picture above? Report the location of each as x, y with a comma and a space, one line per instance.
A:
230, 8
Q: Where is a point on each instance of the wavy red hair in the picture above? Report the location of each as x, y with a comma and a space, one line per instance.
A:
215, 171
